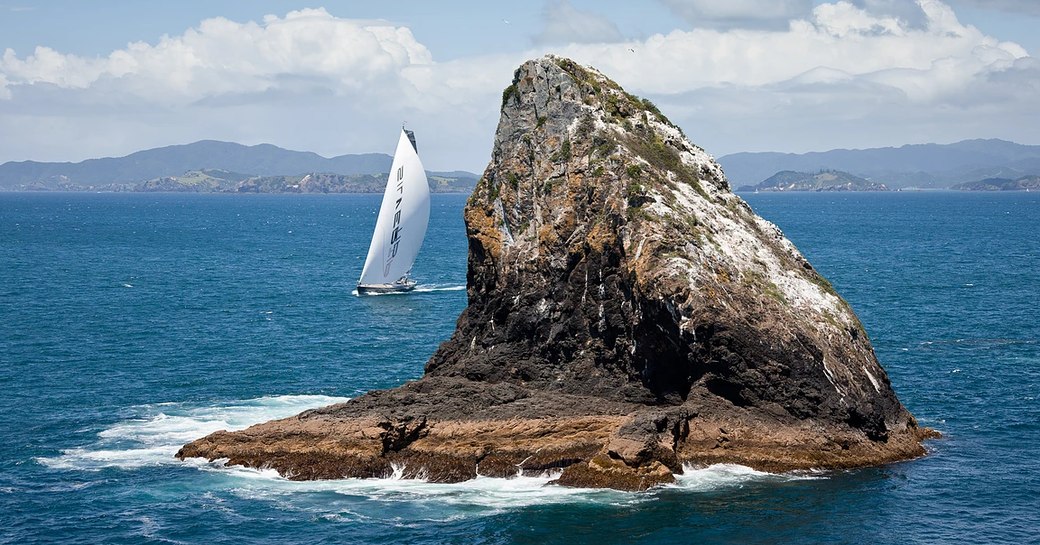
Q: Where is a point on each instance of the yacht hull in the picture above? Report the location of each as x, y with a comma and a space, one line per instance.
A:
377, 289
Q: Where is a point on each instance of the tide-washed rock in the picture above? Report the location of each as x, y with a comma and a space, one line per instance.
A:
628, 315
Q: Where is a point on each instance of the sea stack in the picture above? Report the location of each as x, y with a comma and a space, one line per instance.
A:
628, 316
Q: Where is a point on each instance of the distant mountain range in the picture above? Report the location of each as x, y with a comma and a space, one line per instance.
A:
210, 165
222, 181
825, 180
926, 166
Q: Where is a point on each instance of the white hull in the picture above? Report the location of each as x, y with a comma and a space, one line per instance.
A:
396, 287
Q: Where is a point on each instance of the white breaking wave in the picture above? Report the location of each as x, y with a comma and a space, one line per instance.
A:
479, 496
484, 495
159, 430
718, 476
405, 501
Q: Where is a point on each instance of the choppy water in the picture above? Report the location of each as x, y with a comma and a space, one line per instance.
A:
130, 324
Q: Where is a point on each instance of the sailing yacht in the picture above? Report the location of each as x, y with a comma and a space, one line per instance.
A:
400, 225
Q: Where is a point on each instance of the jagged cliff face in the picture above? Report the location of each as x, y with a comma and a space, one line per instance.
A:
608, 257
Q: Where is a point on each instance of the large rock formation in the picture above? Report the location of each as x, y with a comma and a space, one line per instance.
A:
628, 314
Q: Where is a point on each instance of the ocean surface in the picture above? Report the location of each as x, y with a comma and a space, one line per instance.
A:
133, 323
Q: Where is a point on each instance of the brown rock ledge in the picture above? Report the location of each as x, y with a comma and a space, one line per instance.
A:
628, 315
504, 430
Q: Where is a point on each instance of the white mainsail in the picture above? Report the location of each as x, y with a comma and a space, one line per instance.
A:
402, 221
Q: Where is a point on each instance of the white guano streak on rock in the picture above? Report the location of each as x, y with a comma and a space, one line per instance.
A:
585, 292
830, 378
639, 251
873, 381
507, 236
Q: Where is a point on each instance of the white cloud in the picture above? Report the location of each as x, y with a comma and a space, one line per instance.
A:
739, 13
920, 62
307, 80
564, 24
222, 56
845, 74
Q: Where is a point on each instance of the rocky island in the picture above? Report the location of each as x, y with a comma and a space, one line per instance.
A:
627, 316
824, 180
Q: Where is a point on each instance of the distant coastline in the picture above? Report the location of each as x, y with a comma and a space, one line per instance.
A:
220, 167
960, 165
209, 181
221, 181
1025, 183
210, 166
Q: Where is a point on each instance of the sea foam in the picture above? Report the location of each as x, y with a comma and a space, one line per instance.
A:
156, 431
401, 501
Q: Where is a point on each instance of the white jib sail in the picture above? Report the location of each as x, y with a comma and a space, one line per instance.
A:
402, 221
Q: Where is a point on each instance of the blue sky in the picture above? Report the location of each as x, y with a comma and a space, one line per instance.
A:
88, 79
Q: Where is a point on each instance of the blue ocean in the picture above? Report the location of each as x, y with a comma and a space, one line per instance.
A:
133, 323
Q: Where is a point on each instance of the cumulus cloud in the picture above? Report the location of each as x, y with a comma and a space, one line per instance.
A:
821, 111
307, 80
848, 73
919, 62
565, 24
739, 13
853, 75
223, 56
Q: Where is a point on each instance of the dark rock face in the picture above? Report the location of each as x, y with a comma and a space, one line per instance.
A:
628, 314
613, 270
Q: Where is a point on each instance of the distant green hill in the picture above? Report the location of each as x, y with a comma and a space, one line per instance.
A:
1025, 183
216, 181
825, 180
211, 166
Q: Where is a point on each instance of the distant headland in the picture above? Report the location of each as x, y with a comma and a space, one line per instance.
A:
825, 180
210, 166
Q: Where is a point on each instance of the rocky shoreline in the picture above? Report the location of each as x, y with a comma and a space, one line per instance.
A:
628, 316
522, 432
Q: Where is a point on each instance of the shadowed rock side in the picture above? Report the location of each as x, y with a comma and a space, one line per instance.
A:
628, 314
